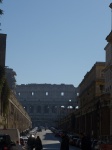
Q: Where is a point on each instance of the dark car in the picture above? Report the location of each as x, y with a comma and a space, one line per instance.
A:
78, 143
5, 142
96, 144
58, 133
22, 142
39, 129
73, 139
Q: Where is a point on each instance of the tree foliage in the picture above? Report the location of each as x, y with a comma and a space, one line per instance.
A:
5, 97
4, 91
1, 11
2, 77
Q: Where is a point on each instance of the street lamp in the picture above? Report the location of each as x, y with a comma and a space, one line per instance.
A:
77, 107
61, 108
69, 107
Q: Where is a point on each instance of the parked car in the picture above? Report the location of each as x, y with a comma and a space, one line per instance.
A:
53, 129
39, 129
70, 139
22, 142
25, 138
73, 139
14, 134
6, 143
78, 143
58, 133
97, 145
93, 144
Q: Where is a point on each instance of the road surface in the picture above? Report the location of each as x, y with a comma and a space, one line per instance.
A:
50, 142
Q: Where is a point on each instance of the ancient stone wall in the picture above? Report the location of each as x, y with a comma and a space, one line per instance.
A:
17, 116
47, 103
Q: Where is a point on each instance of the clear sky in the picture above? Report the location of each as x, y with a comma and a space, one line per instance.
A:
54, 41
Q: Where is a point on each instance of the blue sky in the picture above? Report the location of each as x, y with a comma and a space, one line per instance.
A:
54, 41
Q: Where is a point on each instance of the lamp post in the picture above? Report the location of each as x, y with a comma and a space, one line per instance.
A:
60, 114
69, 107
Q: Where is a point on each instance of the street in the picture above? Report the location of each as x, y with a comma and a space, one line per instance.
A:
50, 142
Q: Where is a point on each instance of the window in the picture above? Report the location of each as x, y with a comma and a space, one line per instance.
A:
54, 109
19, 94
46, 109
77, 94
31, 109
38, 109
62, 109
32, 93
46, 93
25, 107
62, 93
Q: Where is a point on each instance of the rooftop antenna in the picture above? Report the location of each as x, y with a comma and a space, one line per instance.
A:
111, 14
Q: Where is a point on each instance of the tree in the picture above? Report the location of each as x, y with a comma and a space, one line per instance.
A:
4, 96
1, 11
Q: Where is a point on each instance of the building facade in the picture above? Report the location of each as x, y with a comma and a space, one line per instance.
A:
89, 118
108, 73
94, 116
17, 116
47, 103
90, 89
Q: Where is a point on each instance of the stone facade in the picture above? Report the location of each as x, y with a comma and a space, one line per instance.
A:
17, 116
46, 103
108, 74
94, 105
92, 85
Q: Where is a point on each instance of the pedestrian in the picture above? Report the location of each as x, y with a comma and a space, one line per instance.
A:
85, 142
31, 142
64, 141
18, 146
38, 144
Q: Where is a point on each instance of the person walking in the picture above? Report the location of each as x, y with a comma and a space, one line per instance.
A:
85, 142
31, 142
38, 144
64, 142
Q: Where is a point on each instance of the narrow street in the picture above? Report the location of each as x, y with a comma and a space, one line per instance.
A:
50, 142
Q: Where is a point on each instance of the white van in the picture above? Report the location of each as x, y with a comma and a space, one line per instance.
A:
14, 134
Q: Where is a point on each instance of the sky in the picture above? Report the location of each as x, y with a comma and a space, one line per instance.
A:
54, 41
